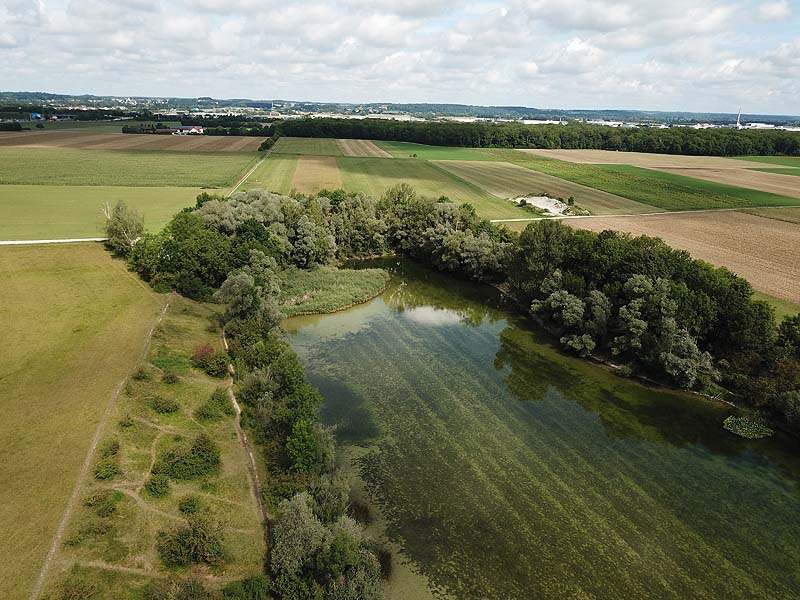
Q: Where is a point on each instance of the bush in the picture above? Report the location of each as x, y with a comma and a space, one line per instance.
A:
198, 541
252, 588
217, 406
163, 405
188, 589
109, 448
752, 429
157, 485
108, 465
189, 505
212, 362
201, 355
126, 422
189, 461
141, 374
77, 587
170, 378
104, 503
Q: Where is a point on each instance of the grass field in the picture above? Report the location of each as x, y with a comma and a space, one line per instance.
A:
643, 159
373, 176
790, 215
786, 161
76, 322
107, 545
315, 173
506, 180
89, 139
275, 174
97, 126
769, 181
310, 146
63, 166
362, 148
423, 152
36, 212
763, 251
783, 171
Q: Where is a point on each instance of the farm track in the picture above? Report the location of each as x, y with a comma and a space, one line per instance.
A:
79, 482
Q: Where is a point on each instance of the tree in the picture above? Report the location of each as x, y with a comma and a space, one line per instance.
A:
123, 227
297, 535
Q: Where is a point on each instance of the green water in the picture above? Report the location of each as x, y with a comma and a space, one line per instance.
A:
506, 470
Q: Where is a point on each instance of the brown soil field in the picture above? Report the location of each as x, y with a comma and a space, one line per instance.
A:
645, 159
766, 252
506, 180
790, 215
120, 141
774, 183
314, 173
362, 148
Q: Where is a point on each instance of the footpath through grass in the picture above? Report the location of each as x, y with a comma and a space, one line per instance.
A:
74, 323
68, 166
36, 212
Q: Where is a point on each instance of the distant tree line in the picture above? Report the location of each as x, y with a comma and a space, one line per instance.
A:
674, 140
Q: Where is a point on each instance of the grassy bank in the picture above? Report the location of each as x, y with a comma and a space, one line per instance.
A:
326, 290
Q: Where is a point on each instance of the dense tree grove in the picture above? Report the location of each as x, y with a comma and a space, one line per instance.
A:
674, 140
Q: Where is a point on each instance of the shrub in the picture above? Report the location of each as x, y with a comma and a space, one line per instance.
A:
218, 405
109, 448
198, 541
107, 468
189, 505
77, 587
189, 461
163, 405
752, 429
104, 503
126, 422
141, 374
201, 355
187, 589
252, 588
157, 485
218, 364
170, 378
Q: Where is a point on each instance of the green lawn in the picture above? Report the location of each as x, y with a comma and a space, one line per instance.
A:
786, 171
373, 176
308, 146
35, 212
76, 321
783, 308
66, 166
786, 161
423, 152
275, 174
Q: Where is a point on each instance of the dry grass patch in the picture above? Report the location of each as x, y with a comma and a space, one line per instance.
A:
506, 180
763, 251
362, 148
120, 141
773, 183
315, 173
643, 159
790, 214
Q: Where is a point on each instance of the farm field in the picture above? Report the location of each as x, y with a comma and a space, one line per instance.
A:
790, 215
77, 322
91, 139
374, 176
424, 152
364, 148
117, 552
766, 252
782, 171
771, 182
644, 159
310, 146
68, 166
97, 126
506, 180
36, 212
785, 161
314, 173
275, 174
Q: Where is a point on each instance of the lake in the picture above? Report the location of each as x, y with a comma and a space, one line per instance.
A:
503, 469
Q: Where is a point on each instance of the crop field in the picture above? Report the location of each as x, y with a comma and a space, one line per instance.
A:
97, 126
785, 161
310, 146
794, 171
92, 139
38, 212
763, 251
790, 215
76, 321
315, 173
644, 159
374, 176
363, 148
116, 552
66, 166
423, 152
275, 174
506, 180
770, 181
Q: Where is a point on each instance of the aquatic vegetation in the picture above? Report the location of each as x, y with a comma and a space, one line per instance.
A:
752, 429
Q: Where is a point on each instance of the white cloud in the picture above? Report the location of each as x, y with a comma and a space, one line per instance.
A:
775, 11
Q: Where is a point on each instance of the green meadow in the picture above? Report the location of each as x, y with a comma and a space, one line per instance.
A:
423, 152
308, 146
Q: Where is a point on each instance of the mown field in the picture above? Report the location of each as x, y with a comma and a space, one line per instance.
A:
66, 166
76, 321
645, 159
310, 146
117, 552
97, 126
786, 161
790, 215
36, 212
423, 152
89, 139
787, 171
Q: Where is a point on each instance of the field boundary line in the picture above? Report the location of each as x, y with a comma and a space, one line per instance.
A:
54, 241
101, 427
250, 172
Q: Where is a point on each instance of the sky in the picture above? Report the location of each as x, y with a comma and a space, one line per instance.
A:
692, 55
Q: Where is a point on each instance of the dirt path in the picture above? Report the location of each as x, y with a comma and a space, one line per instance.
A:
246, 175
61, 241
251, 461
87, 463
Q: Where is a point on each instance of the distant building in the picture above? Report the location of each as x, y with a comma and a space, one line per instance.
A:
188, 130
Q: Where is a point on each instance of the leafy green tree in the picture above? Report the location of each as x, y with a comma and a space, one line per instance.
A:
302, 446
123, 227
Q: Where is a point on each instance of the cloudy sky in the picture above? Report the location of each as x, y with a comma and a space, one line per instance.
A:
698, 55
